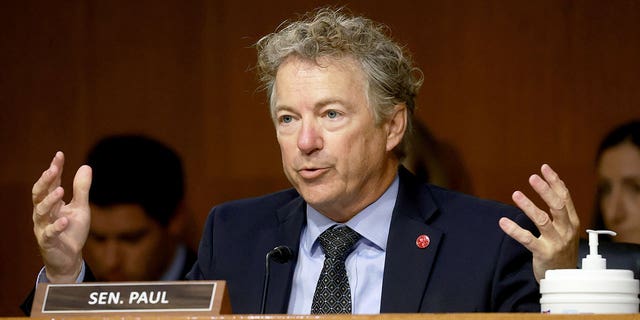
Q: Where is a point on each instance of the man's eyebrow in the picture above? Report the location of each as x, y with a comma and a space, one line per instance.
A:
631, 178
318, 105
328, 101
133, 233
279, 108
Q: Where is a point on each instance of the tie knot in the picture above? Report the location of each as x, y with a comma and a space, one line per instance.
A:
336, 242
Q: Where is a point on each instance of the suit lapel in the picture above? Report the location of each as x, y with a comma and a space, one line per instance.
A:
407, 266
291, 219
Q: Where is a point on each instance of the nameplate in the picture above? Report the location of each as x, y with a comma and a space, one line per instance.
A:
148, 298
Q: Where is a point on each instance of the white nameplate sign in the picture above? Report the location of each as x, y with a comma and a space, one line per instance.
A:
103, 298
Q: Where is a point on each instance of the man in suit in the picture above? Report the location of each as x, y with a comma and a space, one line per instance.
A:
367, 236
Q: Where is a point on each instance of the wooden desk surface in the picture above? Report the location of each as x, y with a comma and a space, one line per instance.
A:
421, 316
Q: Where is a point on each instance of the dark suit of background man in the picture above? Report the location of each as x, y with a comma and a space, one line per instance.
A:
342, 98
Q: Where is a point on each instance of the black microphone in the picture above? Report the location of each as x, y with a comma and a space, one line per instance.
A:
279, 254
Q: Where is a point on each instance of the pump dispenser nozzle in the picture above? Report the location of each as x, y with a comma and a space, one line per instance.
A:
594, 261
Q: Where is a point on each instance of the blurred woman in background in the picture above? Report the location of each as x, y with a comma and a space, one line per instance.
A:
617, 205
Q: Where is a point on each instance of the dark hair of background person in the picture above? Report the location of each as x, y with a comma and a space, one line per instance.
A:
135, 169
627, 132
435, 161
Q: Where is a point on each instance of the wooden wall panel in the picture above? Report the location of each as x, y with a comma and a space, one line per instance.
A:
38, 92
509, 84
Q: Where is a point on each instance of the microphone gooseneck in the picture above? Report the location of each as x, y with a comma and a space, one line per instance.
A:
279, 254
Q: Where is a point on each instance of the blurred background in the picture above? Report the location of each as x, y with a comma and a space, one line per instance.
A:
509, 85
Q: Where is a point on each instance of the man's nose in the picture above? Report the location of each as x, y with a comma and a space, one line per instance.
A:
111, 254
615, 205
310, 137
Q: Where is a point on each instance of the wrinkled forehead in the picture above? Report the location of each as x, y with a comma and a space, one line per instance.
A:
347, 63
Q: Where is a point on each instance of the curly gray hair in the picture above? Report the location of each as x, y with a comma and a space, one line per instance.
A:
391, 77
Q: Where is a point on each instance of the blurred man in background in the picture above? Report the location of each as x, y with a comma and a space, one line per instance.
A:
137, 211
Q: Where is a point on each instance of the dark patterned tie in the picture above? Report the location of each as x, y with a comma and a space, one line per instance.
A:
332, 292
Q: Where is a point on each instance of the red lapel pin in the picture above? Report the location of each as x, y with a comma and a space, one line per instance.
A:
423, 241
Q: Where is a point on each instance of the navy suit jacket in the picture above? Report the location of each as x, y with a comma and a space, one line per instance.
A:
471, 265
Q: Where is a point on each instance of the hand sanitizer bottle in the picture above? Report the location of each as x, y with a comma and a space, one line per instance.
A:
592, 289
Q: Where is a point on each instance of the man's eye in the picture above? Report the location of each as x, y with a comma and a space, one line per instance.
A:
332, 114
604, 188
286, 119
97, 238
635, 186
132, 238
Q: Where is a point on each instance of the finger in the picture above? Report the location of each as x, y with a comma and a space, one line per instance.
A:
39, 190
54, 230
563, 192
547, 194
48, 181
556, 204
540, 218
57, 162
519, 234
42, 187
553, 179
81, 186
44, 210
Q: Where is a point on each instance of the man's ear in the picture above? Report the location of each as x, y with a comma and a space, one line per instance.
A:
396, 126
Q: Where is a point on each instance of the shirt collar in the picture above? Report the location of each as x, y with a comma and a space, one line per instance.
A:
174, 271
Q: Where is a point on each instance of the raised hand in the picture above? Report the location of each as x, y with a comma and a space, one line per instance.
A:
61, 229
557, 245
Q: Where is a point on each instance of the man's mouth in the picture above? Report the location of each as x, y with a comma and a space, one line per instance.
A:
312, 173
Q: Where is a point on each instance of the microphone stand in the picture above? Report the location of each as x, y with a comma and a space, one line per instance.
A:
265, 282
281, 254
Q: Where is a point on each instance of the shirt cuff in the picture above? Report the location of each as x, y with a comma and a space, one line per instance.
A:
42, 275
